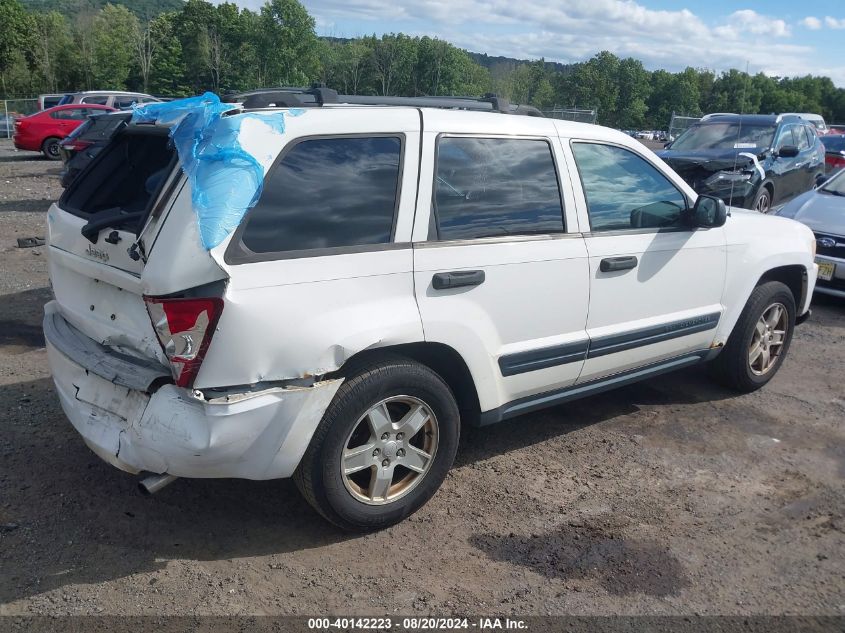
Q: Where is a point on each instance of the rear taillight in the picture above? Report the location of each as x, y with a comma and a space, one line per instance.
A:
184, 328
78, 146
835, 161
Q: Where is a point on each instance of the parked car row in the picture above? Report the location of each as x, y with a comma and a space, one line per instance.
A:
61, 115
43, 131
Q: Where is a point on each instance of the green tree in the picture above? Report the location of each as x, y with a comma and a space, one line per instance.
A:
634, 88
287, 42
49, 49
17, 28
115, 32
167, 70
392, 62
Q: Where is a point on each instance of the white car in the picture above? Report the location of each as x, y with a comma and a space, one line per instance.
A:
330, 292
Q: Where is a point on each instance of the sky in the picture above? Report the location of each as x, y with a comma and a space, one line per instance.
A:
777, 37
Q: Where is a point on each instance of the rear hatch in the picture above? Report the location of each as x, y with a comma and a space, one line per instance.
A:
108, 246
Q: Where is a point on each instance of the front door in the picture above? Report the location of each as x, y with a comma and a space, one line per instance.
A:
655, 284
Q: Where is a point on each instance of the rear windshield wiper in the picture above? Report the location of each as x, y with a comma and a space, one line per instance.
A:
114, 217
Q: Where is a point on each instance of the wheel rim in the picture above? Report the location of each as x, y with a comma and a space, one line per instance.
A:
768, 339
53, 148
763, 202
390, 450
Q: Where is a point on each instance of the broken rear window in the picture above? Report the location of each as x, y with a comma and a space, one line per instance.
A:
122, 182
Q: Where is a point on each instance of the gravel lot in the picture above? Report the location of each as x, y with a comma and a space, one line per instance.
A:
669, 497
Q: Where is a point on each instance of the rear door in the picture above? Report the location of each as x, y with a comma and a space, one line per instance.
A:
789, 177
500, 268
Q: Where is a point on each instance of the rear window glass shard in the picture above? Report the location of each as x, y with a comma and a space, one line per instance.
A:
328, 193
487, 187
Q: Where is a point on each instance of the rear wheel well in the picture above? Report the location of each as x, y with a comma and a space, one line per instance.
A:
443, 360
795, 278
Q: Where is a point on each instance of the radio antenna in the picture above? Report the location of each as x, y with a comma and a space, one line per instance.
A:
739, 128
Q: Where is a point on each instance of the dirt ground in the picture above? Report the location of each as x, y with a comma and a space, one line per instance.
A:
669, 497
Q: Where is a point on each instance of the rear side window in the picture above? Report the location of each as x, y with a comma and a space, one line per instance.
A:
486, 187
62, 114
124, 103
834, 143
328, 193
75, 114
625, 191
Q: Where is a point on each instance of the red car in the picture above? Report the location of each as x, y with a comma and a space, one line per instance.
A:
834, 152
41, 132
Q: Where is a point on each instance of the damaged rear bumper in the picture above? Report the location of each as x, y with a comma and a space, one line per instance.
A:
252, 435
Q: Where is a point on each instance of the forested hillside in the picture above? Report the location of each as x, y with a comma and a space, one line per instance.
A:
176, 48
145, 9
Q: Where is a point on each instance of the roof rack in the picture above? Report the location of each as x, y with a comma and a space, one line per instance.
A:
319, 95
714, 114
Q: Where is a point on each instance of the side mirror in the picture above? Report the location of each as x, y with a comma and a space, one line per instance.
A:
667, 145
787, 151
821, 179
709, 212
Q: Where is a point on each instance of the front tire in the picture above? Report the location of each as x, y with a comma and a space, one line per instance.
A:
383, 447
760, 340
763, 200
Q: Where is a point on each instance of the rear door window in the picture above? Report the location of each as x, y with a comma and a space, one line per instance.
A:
327, 193
96, 100
486, 187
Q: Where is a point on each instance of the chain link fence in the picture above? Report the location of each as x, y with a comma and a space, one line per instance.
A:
678, 125
581, 115
10, 109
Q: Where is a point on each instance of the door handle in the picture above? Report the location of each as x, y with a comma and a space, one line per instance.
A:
457, 279
610, 264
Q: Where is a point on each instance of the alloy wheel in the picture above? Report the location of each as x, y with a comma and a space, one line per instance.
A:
768, 339
390, 450
764, 203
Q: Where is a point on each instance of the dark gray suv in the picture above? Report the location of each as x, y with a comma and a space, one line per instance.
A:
753, 161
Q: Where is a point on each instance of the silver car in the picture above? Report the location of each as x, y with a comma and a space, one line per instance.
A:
113, 98
823, 210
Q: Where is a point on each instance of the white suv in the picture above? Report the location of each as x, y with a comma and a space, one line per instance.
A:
330, 292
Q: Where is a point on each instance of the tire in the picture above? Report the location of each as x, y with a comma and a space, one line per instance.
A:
763, 200
738, 366
354, 426
50, 148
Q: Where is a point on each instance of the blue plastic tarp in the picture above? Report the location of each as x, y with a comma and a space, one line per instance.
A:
225, 178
